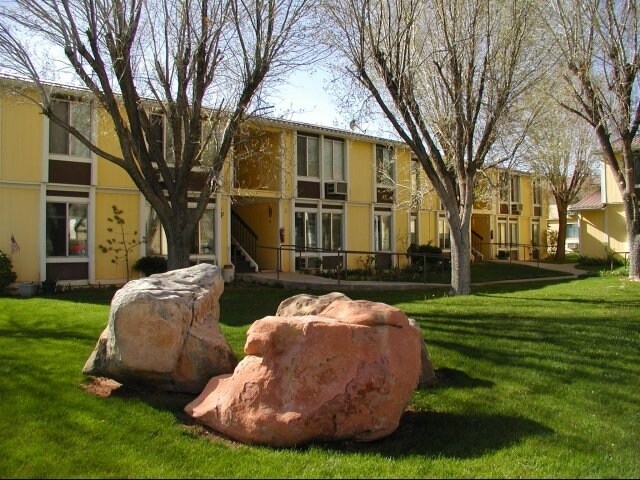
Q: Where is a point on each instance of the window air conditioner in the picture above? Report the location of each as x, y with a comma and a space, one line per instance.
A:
335, 188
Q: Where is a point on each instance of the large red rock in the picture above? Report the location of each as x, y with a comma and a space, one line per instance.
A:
163, 331
346, 374
307, 304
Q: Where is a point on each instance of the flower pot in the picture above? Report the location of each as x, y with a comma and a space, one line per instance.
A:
27, 289
228, 272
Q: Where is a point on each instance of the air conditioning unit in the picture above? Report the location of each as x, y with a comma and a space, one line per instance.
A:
516, 208
335, 188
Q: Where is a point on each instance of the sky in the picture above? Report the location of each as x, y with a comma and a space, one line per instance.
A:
304, 97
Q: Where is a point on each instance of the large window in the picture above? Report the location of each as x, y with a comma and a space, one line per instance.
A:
333, 159
308, 155
203, 240
76, 114
382, 232
66, 229
384, 165
331, 231
306, 229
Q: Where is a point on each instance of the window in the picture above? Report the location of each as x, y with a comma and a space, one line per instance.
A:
636, 169
535, 233
502, 233
76, 114
331, 231
515, 189
504, 187
203, 240
66, 229
413, 230
384, 165
572, 230
161, 135
333, 159
444, 233
382, 232
416, 190
308, 156
513, 233
306, 230
537, 193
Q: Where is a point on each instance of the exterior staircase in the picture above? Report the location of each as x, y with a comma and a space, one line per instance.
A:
476, 240
241, 260
243, 245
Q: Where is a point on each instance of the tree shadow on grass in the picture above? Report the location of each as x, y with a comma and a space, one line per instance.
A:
452, 378
435, 434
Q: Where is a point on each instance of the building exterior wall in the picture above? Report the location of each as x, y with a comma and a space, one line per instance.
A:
264, 189
592, 234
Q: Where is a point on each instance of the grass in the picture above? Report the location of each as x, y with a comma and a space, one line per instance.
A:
536, 380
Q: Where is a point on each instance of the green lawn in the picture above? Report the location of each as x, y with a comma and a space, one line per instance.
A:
536, 380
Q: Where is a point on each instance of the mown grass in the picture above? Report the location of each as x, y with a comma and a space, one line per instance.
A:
536, 380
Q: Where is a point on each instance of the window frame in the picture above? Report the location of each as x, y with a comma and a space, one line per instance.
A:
70, 139
383, 165
444, 233
306, 138
162, 249
378, 239
332, 142
67, 257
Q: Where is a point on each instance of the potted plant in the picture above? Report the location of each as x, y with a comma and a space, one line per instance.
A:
228, 272
27, 289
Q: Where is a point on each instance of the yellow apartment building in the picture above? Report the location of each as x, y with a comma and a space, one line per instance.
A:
293, 196
601, 218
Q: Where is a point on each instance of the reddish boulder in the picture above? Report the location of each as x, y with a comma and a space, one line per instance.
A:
344, 374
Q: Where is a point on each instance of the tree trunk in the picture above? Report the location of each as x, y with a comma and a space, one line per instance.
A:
460, 260
179, 240
562, 231
632, 214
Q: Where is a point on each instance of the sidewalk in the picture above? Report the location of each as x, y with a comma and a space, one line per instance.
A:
313, 282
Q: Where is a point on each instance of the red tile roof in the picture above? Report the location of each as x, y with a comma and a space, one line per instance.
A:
593, 201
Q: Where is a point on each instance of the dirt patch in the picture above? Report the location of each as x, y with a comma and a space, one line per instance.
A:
101, 386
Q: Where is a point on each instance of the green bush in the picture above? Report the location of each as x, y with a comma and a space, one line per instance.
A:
7, 275
150, 264
432, 257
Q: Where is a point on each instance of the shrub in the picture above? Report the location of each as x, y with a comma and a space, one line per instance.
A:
7, 275
432, 258
150, 264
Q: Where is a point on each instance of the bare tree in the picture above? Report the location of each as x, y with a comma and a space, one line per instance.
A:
561, 156
447, 74
598, 41
171, 59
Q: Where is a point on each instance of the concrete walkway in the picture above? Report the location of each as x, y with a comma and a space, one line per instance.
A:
314, 282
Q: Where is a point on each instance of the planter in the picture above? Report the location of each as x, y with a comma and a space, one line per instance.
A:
27, 289
49, 287
228, 273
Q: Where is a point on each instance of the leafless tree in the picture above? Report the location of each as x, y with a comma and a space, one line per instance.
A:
561, 155
447, 74
200, 64
598, 41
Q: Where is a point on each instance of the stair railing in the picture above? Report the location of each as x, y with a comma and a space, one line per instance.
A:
243, 234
